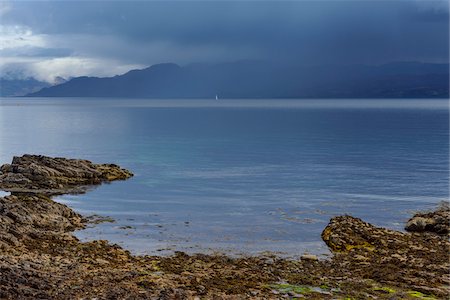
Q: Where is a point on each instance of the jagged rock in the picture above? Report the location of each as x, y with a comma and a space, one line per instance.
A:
382, 254
437, 221
347, 233
47, 175
26, 217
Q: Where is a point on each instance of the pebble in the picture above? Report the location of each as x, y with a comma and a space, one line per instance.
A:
311, 257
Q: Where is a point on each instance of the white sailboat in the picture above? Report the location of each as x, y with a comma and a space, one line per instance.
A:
217, 97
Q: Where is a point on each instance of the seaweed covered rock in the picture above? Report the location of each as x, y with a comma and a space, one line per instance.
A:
412, 260
437, 221
347, 233
25, 218
47, 175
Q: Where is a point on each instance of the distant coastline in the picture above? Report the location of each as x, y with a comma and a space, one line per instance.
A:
255, 80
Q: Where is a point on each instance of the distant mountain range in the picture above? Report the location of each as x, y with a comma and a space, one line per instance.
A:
10, 87
256, 79
20, 87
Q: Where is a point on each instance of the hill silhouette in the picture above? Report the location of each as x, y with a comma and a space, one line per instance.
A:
257, 79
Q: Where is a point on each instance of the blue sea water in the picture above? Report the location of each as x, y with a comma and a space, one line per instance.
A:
240, 176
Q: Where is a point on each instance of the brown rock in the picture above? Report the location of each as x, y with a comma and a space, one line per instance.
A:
437, 221
47, 175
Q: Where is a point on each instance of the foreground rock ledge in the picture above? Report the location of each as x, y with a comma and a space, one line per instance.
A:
41, 259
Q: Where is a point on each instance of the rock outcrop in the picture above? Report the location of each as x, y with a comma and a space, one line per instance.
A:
47, 175
416, 261
437, 221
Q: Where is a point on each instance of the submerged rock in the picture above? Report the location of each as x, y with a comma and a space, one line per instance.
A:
47, 175
437, 221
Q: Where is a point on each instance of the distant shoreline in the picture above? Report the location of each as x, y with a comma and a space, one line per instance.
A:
253, 80
235, 103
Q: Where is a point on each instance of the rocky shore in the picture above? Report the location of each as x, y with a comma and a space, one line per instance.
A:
41, 259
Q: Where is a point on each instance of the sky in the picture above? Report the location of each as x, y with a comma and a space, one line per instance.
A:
47, 39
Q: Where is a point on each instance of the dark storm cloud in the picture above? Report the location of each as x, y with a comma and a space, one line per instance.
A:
303, 32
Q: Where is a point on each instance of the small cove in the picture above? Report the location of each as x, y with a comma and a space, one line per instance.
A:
241, 176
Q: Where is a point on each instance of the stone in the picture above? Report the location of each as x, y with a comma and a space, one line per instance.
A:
310, 257
48, 175
437, 221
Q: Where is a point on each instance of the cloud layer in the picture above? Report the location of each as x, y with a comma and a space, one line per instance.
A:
49, 39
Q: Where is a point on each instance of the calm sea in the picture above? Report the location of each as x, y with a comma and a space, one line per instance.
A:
240, 176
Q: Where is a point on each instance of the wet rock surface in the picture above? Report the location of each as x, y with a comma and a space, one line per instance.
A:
48, 175
26, 218
415, 261
437, 221
41, 259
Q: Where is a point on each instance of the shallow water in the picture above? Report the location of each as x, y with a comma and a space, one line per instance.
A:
241, 176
